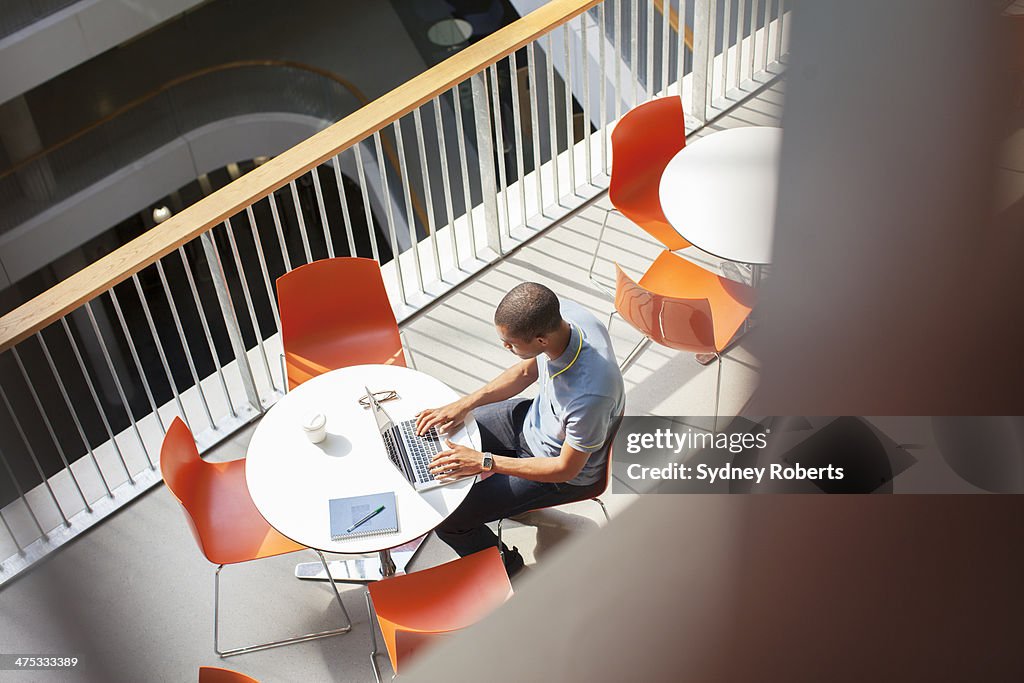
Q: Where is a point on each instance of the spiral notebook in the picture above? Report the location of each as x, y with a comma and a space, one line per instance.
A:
346, 512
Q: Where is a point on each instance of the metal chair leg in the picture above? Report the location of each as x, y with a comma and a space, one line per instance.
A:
603, 509
718, 392
593, 261
637, 350
406, 349
501, 547
276, 643
373, 636
284, 373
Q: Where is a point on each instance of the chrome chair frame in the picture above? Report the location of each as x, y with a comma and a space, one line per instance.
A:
274, 643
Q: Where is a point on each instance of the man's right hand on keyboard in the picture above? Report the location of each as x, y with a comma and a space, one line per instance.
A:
446, 418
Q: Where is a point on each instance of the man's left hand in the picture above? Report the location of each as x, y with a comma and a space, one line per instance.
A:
457, 462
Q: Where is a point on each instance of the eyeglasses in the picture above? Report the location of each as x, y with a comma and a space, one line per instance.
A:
379, 396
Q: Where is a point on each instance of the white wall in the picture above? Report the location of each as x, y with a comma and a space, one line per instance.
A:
74, 35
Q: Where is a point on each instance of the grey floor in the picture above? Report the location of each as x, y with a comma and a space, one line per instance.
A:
133, 598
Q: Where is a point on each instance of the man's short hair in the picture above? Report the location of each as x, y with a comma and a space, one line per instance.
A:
528, 311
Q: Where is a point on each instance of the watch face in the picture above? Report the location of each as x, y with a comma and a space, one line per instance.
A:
488, 462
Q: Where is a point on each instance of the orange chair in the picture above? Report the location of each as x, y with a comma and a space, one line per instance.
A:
417, 609
643, 142
682, 306
226, 524
212, 674
591, 496
335, 313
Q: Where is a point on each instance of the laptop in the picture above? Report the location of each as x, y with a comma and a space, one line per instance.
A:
409, 452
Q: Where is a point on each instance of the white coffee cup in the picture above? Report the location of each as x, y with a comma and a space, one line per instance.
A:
315, 427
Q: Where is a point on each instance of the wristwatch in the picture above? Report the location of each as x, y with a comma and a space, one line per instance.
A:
488, 463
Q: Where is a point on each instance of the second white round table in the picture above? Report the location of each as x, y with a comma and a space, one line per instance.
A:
719, 193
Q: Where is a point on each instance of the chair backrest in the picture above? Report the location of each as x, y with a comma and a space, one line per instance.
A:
338, 299
643, 142
682, 324
184, 472
438, 600
213, 674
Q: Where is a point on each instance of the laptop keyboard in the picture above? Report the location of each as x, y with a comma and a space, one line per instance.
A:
422, 449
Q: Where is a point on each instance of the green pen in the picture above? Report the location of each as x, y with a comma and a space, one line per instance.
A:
365, 519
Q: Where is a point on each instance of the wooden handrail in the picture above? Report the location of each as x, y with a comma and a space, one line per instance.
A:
193, 221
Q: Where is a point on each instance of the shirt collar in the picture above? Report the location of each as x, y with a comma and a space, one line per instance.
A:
570, 355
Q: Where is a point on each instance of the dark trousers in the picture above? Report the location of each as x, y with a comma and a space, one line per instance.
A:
499, 495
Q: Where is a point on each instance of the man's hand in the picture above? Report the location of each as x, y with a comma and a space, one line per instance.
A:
446, 418
457, 462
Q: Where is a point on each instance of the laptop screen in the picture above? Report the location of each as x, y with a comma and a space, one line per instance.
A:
383, 420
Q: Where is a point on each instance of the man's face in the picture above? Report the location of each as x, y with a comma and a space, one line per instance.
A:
524, 348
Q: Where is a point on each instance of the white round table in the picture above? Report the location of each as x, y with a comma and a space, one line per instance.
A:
719, 193
291, 479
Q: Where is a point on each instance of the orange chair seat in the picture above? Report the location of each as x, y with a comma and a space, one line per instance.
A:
730, 303
413, 608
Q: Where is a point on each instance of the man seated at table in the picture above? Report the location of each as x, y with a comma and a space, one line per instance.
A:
541, 452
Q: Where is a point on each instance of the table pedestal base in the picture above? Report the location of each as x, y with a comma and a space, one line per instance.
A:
363, 569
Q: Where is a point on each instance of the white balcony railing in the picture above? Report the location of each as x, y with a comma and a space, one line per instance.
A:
493, 146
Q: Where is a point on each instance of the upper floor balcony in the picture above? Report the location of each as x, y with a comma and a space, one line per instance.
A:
183, 321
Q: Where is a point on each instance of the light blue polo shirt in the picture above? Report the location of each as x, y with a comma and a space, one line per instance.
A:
581, 395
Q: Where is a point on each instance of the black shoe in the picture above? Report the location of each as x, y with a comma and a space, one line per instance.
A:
513, 561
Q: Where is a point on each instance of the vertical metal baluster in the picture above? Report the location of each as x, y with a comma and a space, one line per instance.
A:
136, 359
24, 501
248, 302
280, 232
32, 455
499, 134
263, 266
96, 399
450, 212
650, 87
467, 190
206, 331
755, 9
10, 532
411, 217
681, 47
602, 88
552, 117
570, 132
741, 9
74, 413
319, 193
485, 153
230, 317
634, 56
767, 34
618, 58
782, 33
49, 426
160, 349
364, 188
534, 100
428, 195
117, 382
302, 221
585, 70
396, 250
184, 343
725, 48
339, 178
666, 6
517, 132
704, 32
